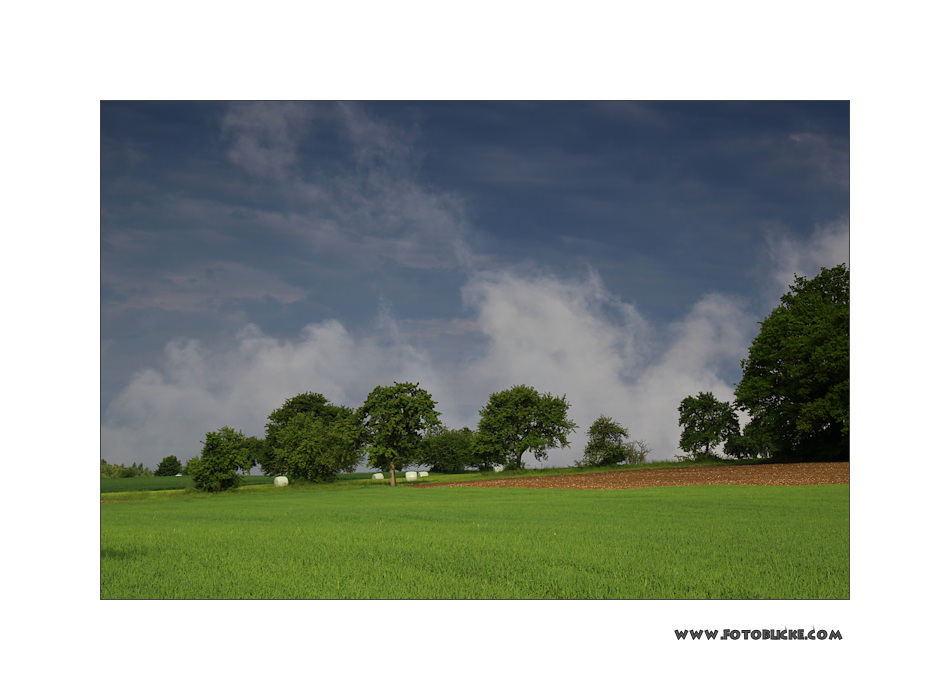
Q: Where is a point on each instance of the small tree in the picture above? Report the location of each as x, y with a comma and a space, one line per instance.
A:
637, 451
605, 443
753, 442
224, 452
706, 423
169, 466
444, 450
395, 419
520, 420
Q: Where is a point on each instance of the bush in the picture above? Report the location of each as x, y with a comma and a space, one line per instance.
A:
637, 451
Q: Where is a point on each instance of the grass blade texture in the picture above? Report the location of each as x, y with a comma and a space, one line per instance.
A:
707, 542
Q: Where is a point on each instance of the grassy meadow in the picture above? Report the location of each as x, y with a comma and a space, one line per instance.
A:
358, 539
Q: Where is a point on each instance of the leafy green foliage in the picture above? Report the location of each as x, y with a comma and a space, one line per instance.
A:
605, 443
190, 465
308, 403
796, 378
120, 471
224, 452
255, 453
520, 420
450, 451
752, 443
395, 419
706, 423
169, 466
316, 448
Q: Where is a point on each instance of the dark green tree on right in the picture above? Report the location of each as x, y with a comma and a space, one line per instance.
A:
796, 380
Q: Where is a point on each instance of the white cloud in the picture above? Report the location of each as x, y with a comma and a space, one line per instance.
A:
568, 337
829, 245
572, 338
168, 410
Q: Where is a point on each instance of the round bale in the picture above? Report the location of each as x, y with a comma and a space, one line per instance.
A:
281, 481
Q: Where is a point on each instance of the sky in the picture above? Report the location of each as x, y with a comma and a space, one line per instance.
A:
617, 253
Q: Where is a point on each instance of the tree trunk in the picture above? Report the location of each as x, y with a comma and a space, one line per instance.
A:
392, 473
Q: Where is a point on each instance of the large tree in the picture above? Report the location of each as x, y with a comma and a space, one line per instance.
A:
224, 452
796, 379
308, 403
316, 448
395, 419
706, 423
519, 420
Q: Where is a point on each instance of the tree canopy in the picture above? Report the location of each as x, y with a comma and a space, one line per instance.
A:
706, 423
796, 379
307, 403
395, 419
316, 448
519, 420
444, 450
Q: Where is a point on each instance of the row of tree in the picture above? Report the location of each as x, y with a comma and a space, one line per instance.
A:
795, 383
311, 439
116, 471
398, 425
795, 388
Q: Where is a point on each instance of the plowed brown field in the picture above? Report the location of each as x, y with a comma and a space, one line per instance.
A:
802, 474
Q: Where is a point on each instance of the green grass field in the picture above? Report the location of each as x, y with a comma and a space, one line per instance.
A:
355, 539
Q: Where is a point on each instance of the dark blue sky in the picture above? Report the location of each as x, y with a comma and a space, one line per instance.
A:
616, 252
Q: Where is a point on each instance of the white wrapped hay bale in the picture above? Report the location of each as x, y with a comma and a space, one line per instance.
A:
281, 481
412, 476
378, 476
421, 474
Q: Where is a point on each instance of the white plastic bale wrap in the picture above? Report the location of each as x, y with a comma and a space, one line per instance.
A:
421, 474
412, 476
281, 481
378, 476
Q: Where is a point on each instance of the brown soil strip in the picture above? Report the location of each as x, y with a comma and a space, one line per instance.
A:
801, 474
